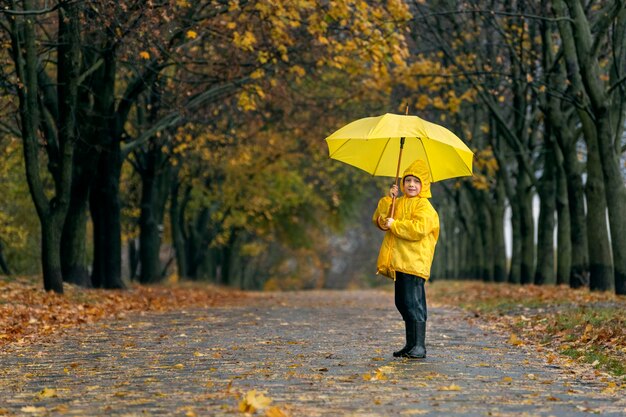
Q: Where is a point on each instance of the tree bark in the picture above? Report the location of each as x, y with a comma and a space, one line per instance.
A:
564, 235
177, 224
600, 261
524, 201
4, 266
545, 273
105, 213
156, 178
497, 220
73, 247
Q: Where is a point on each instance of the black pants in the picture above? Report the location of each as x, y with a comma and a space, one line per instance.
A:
410, 297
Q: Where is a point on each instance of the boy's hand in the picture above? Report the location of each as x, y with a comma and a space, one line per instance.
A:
389, 221
393, 191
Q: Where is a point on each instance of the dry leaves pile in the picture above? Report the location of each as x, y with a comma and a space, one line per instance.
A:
588, 326
29, 314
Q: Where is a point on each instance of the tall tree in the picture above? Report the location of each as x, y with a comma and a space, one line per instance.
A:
58, 131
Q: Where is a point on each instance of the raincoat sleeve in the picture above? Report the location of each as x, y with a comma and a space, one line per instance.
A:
422, 223
381, 210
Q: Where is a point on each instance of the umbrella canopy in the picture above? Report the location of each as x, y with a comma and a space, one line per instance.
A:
373, 145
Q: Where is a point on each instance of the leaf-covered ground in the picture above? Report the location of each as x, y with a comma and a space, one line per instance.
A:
317, 353
30, 315
583, 325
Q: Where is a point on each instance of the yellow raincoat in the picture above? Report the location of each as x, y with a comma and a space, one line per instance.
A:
409, 245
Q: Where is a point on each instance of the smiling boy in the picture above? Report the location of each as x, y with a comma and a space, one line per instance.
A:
407, 251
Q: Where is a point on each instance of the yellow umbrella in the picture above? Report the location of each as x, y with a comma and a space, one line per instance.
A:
373, 144
376, 144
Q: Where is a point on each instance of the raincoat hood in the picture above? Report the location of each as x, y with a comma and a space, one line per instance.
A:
419, 169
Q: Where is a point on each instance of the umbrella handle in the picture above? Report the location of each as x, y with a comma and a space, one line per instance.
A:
382, 222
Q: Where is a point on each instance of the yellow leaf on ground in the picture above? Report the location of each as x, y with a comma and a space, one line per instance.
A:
514, 340
253, 401
274, 412
452, 387
61, 408
33, 410
47, 393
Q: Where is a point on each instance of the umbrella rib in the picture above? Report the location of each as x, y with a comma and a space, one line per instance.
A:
430, 170
337, 150
381, 156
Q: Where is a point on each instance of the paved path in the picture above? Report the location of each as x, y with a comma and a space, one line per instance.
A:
313, 353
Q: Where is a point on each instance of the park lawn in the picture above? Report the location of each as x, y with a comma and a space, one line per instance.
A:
582, 325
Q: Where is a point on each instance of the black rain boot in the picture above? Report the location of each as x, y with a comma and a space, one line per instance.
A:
410, 340
419, 349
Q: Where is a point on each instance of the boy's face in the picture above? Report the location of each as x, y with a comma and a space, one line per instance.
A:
412, 186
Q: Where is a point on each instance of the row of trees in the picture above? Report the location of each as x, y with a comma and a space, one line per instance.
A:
183, 107
547, 118
203, 122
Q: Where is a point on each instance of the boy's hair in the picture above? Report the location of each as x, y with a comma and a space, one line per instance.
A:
406, 176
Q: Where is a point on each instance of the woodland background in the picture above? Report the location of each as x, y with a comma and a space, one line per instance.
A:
151, 140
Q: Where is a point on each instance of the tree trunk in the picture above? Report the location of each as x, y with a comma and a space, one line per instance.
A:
3, 263
545, 245
73, 244
527, 228
557, 123
177, 222
60, 148
515, 272
51, 254
601, 264
616, 201
579, 277
487, 237
196, 245
73, 249
105, 213
564, 235
133, 259
156, 176
497, 221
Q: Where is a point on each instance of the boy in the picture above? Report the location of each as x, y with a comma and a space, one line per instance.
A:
406, 253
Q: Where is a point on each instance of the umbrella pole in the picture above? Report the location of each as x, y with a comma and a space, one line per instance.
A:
381, 221
393, 201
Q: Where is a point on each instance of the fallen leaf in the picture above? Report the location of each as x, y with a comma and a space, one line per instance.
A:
253, 401
274, 412
514, 340
34, 410
452, 387
47, 393
61, 408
